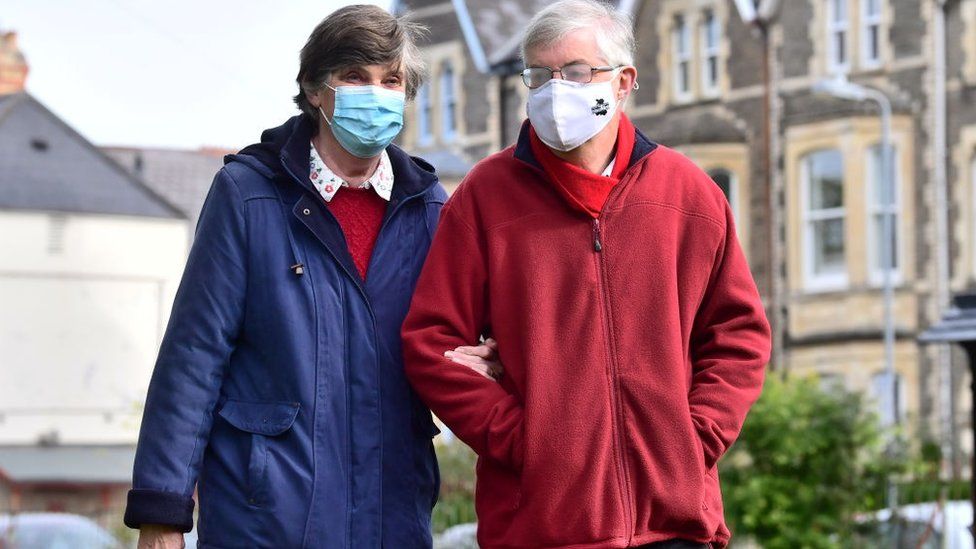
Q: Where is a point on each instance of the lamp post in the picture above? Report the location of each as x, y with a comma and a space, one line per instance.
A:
842, 88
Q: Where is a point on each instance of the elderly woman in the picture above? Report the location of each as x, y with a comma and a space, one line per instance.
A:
279, 393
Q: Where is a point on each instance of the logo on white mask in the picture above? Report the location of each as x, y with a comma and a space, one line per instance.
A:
567, 114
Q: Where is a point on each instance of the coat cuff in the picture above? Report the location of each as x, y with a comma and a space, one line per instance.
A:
157, 507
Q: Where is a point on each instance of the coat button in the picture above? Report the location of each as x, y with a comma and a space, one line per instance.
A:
307, 211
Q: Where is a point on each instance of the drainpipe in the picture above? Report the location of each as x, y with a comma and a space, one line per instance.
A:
939, 182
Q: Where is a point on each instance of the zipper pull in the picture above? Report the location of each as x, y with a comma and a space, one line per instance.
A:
597, 245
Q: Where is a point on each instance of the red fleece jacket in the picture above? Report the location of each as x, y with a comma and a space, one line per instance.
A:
633, 346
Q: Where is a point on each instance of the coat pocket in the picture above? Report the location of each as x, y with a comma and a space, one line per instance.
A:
263, 421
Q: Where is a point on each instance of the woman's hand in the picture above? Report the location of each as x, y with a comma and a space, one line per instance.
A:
157, 536
482, 359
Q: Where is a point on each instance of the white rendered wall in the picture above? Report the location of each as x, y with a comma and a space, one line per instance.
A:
84, 300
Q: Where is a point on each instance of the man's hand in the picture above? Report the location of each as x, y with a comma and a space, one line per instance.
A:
158, 536
482, 359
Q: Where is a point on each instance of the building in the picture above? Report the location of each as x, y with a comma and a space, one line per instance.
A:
182, 177
90, 259
801, 170
88, 480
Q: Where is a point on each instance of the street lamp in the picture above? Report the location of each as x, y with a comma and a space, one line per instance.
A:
842, 88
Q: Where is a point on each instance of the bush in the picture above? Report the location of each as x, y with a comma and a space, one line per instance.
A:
456, 503
805, 463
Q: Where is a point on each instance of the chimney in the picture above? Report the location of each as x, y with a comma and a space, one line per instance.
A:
13, 66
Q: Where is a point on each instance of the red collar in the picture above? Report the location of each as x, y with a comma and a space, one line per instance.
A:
583, 190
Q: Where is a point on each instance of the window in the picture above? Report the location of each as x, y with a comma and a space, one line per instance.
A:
870, 33
726, 181
888, 393
883, 198
424, 112
709, 52
832, 383
972, 232
824, 261
837, 36
448, 102
681, 55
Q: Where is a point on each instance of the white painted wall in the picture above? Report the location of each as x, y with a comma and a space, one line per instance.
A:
84, 300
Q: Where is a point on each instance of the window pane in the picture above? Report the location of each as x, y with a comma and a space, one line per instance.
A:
873, 7
873, 46
839, 10
712, 71
723, 179
840, 48
825, 170
447, 99
711, 30
828, 245
683, 77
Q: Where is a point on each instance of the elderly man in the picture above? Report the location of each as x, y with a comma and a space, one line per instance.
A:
608, 269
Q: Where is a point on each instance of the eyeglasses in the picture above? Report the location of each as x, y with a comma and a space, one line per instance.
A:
533, 77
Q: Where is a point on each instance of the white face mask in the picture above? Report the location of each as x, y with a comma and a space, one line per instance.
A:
567, 114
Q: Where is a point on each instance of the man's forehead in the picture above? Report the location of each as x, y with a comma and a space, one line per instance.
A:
578, 46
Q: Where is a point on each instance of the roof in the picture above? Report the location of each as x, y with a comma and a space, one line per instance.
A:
493, 28
67, 463
685, 127
447, 163
47, 165
182, 177
958, 325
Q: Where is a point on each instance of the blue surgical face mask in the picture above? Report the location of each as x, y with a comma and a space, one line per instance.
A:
366, 118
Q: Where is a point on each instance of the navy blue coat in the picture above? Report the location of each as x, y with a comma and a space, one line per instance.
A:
281, 389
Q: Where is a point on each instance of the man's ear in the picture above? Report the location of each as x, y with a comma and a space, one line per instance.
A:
628, 82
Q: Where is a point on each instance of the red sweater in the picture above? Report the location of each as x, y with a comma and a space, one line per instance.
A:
629, 365
360, 214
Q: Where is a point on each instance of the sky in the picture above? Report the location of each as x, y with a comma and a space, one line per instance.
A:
176, 74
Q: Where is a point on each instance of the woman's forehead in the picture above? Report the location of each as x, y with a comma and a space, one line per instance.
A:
389, 69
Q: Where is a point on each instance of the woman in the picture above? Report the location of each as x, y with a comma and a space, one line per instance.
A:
279, 390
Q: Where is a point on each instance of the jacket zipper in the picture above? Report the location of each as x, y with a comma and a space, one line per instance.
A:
621, 459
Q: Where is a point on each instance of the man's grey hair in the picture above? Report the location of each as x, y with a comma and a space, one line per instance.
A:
614, 29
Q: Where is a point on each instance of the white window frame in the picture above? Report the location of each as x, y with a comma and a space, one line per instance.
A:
814, 281
875, 209
679, 57
869, 20
425, 114
972, 215
448, 102
710, 27
833, 27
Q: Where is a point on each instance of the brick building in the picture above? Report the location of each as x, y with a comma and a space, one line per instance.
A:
800, 169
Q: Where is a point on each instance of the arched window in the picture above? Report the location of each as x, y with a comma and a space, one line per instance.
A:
681, 57
824, 248
883, 197
425, 110
838, 36
710, 33
448, 102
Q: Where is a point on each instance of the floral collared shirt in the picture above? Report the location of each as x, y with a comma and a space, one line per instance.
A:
328, 183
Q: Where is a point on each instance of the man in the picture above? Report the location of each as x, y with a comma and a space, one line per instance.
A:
279, 383
608, 270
